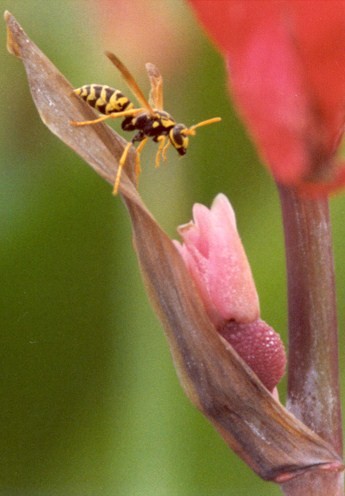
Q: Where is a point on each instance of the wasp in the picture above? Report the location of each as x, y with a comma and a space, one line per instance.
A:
149, 119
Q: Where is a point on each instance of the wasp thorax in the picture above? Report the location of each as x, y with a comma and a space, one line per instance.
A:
179, 140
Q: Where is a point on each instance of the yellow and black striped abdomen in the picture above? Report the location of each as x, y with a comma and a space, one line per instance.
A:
103, 98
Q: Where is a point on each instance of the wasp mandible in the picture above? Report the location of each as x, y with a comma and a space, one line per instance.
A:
149, 120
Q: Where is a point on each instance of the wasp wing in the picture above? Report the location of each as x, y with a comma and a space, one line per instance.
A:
156, 81
130, 82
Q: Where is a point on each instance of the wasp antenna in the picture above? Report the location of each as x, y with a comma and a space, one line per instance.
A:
191, 130
206, 123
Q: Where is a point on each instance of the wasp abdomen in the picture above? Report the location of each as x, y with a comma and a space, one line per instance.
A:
104, 99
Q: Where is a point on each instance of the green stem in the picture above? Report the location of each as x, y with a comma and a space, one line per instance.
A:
313, 375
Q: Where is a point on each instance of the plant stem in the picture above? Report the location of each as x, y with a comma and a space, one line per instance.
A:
313, 382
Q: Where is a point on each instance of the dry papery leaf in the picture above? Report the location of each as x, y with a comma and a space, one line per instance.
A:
272, 442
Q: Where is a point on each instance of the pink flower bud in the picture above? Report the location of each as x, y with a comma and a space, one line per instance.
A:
214, 255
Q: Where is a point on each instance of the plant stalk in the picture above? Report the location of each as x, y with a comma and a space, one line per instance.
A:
313, 371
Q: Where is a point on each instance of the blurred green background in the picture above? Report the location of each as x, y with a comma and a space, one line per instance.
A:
90, 403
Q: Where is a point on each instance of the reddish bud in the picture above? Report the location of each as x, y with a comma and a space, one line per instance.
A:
260, 347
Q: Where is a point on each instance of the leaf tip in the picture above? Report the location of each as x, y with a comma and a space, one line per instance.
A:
12, 45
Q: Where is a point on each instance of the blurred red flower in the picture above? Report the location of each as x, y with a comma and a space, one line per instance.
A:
286, 62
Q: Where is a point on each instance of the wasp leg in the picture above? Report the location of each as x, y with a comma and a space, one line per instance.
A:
164, 151
137, 158
122, 162
161, 140
114, 115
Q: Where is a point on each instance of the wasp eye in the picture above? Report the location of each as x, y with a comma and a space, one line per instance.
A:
179, 140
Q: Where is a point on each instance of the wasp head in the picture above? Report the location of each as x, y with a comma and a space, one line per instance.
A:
179, 134
179, 139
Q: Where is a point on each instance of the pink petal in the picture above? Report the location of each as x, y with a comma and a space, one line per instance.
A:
215, 257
